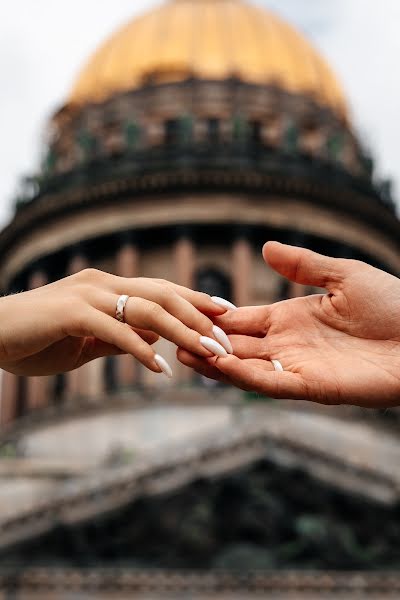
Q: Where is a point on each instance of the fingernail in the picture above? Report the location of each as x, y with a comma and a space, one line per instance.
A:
213, 346
164, 366
277, 365
224, 303
223, 338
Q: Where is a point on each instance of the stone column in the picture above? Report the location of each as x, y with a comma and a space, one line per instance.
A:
37, 388
296, 290
127, 265
184, 262
9, 394
242, 271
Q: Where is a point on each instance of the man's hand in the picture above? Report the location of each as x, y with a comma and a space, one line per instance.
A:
339, 348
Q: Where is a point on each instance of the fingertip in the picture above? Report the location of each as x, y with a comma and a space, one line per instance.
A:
225, 363
216, 311
163, 365
211, 308
271, 243
227, 305
269, 247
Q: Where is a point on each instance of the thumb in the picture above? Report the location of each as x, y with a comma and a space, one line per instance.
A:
304, 266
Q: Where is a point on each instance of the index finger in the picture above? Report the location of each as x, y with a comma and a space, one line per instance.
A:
200, 300
249, 320
143, 286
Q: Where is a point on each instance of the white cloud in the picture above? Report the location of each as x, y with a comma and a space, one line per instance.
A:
44, 43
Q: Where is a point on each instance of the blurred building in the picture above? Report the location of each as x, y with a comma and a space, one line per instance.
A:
194, 134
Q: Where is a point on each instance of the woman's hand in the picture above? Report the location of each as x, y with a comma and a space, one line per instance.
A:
66, 324
338, 348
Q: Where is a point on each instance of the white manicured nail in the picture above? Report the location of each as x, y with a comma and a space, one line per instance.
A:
277, 365
224, 303
223, 339
213, 346
164, 366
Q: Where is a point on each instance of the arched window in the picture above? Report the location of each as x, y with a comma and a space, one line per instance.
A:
214, 282
59, 388
171, 132
178, 131
110, 374
213, 131
21, 404
255, 132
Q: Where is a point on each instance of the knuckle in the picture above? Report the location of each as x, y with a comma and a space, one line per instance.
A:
203, 296
162, 282
190, 335
169, 299
77, 322
153, 310
162, 295
90, 274
84, 289
353, 264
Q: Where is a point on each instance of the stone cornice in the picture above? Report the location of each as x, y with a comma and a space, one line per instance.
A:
340, 192
285, 438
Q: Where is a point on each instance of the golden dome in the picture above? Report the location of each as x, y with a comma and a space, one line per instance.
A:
207, 39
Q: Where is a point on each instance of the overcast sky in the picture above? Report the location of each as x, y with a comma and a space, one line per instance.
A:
43, 44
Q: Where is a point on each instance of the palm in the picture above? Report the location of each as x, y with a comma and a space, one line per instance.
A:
329, 350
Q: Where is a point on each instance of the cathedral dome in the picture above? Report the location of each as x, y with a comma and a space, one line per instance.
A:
207, 39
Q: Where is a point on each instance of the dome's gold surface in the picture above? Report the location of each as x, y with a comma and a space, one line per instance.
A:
208, 39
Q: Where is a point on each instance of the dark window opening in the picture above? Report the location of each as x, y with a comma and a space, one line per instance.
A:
110, 374
255, 128
172, 131
214, 282
20, 408
213, 130
59, 388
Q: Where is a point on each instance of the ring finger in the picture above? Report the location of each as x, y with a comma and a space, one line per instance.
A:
146, 314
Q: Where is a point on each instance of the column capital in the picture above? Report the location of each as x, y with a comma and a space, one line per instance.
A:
242, 272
